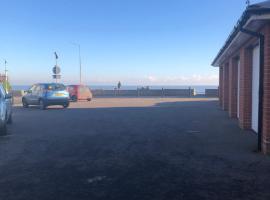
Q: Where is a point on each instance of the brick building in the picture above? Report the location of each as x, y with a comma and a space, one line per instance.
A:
244, 72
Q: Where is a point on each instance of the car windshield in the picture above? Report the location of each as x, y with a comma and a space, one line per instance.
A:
55, 87
71, 87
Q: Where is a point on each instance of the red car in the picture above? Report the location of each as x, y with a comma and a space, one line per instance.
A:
79, 92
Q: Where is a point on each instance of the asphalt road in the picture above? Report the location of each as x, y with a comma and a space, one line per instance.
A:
143, 149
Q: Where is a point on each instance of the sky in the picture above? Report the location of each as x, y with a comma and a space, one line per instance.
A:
137, 42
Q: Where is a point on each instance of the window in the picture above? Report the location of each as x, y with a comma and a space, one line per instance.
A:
83, 89
32, 88
55, 87
2, 92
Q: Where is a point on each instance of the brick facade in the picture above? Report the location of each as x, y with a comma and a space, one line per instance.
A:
266, 96
240, 44
220, 86
245, 88
233, 87
225, 88
229, 88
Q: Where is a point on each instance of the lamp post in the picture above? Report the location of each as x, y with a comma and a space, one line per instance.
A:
80, 60
6, 77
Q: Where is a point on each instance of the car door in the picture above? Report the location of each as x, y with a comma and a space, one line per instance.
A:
29, 95
80, 92
6, 101
2, 104
35, 94
40, 91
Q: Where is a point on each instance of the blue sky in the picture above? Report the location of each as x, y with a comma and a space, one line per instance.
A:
139, 42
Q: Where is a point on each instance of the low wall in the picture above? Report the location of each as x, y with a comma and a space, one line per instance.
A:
17, 93
144, 93
211, 92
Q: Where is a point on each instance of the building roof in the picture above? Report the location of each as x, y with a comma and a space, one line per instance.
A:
255, 9
265, 4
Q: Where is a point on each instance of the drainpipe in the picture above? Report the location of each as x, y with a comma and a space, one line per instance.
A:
261, 82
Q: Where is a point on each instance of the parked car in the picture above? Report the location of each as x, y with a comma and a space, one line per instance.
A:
5, 110
46, 94
79, 92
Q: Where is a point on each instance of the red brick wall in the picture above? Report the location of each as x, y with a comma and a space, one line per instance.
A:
266, 97
233, 73
225, 88
228, 88
245, 88
221, 86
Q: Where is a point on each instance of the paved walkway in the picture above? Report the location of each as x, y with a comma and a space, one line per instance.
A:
114, 149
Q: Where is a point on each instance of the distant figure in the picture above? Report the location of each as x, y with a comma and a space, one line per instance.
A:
119, 85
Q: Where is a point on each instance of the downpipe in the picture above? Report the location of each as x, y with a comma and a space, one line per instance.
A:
261, 82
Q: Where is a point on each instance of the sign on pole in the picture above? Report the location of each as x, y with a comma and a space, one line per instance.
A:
56, 69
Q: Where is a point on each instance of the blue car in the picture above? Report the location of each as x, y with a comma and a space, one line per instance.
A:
46, 94
5, 110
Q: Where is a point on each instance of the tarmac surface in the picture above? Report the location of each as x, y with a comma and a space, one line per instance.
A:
131, 149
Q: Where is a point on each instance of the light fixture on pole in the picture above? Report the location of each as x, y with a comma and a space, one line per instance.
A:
56, 69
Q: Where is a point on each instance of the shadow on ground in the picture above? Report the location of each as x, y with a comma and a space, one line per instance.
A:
171, 150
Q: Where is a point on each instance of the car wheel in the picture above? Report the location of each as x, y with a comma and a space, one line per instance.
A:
66, 105
74, 98
10, 119
3, 128
25, 104
89, 99
42, 105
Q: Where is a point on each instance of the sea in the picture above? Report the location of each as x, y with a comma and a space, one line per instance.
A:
200, 89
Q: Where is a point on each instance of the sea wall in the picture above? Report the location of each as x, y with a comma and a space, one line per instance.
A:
143, 93
211, 92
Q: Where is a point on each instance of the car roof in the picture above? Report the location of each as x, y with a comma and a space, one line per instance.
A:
77, 85
49, 84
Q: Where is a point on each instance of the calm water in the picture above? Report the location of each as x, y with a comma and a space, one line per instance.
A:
198, 88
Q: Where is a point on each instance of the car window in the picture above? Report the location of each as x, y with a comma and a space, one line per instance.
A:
2, 92
71, 88
82, 89
32, 88
55, 87
42, 87
86, 89
37, 88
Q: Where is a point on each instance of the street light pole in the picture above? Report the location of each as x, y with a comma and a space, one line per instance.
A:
80, 60
6, 76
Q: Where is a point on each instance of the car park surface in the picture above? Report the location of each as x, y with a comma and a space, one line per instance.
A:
131, 148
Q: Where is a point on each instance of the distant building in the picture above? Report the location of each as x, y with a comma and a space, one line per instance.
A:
244, 72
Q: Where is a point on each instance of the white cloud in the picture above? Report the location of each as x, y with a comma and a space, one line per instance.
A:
195, 79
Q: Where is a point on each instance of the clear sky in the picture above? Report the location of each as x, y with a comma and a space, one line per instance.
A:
139, 42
